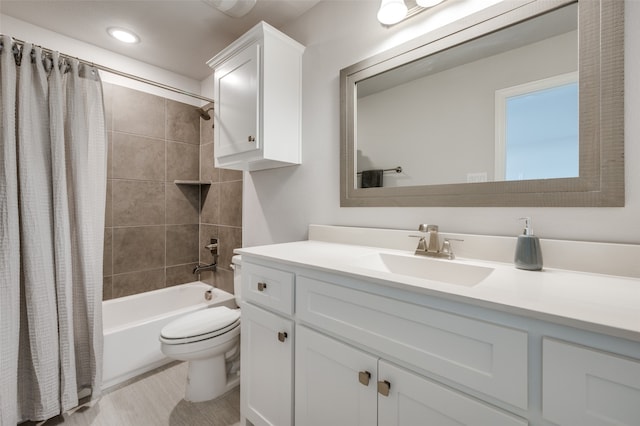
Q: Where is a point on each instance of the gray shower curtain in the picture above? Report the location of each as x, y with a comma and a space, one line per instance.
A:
52, 199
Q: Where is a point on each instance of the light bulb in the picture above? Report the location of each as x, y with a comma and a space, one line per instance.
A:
428, 3
392, 11
123, 35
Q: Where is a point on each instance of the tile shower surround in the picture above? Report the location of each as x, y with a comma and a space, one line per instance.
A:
155, 229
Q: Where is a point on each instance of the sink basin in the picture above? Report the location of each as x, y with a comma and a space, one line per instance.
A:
426, 268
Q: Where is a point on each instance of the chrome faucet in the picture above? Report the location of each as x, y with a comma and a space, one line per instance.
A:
213, 248
429, 244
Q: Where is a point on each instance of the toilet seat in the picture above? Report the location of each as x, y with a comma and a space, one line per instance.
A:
201, 325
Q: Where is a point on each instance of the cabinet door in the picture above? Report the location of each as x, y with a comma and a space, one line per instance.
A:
413, 400
335, 383
586, 387
236, 110
267, 367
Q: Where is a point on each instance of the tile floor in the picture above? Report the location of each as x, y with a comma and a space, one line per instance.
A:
155, 399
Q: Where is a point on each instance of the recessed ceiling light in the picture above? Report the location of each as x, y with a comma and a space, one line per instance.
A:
123, 35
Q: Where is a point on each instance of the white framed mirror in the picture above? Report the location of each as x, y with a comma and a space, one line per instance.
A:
520, 105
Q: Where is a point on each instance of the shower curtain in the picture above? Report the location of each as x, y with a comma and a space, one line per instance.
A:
52, 203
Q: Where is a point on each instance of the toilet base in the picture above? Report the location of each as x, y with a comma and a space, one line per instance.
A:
207, 379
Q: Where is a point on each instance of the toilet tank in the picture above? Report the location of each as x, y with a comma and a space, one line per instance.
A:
236, 265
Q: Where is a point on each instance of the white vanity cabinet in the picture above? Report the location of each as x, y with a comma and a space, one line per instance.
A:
257, 94
336, 384
368, 351
587, 387
266, 352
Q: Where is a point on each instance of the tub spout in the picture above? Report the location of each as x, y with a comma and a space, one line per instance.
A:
200, 268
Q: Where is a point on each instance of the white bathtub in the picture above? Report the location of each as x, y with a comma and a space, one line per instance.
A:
132, 325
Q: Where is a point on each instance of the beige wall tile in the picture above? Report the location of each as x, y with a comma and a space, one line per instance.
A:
138, 203
107, 93
138, 282
229, 239
137, 248
182, 203
227, 175
210, 200
138, 113
107, 258
206, 127
180, 274
108, 207
182, 161
183, 123
224, 280
107, 288
182, 244
207, 171
136, 157
206, 233
109, 155
231, 203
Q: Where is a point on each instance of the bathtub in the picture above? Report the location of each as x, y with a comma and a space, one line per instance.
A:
132, 325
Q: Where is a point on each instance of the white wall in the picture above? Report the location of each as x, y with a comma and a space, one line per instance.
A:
280, 203
22, 30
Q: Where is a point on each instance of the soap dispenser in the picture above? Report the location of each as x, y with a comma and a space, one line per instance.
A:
528, 254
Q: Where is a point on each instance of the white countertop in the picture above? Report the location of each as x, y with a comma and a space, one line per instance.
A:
595, 302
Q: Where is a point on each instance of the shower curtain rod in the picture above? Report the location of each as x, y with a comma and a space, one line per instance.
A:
124, 74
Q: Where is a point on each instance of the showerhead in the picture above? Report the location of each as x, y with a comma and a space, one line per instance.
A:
204, 113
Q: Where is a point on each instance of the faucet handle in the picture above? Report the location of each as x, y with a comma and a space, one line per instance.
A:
213, 247
423, 227
422, 243
447, 248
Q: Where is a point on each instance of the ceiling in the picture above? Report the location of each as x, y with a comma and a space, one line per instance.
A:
177, 35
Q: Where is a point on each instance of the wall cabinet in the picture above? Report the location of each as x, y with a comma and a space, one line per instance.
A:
257, 94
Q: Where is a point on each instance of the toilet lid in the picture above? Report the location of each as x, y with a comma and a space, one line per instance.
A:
204, 321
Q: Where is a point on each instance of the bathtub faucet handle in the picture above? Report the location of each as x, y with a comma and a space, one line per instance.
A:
213, 247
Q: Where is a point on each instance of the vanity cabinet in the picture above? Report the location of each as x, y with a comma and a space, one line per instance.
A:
336, 384
486, 357
257, 94
368, 352
587, 387
266, 352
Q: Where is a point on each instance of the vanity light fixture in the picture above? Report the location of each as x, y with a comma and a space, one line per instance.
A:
392, 12
123, 35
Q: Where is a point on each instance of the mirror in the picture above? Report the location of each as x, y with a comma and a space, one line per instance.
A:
517, 107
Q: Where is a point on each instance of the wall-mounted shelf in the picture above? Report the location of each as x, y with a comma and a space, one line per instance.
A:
192, 182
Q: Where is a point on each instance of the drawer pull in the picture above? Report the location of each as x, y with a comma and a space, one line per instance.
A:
282, 336
262, 286
251, 139
363, 377
383, 388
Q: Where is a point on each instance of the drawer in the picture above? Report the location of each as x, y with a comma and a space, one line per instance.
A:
268, 287
587, 387
486, 357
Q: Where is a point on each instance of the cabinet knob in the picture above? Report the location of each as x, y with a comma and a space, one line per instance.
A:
383, 388
282, 336
262, 286
364, 377
251, 139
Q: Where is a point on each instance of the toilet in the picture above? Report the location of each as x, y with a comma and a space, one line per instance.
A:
209, 339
